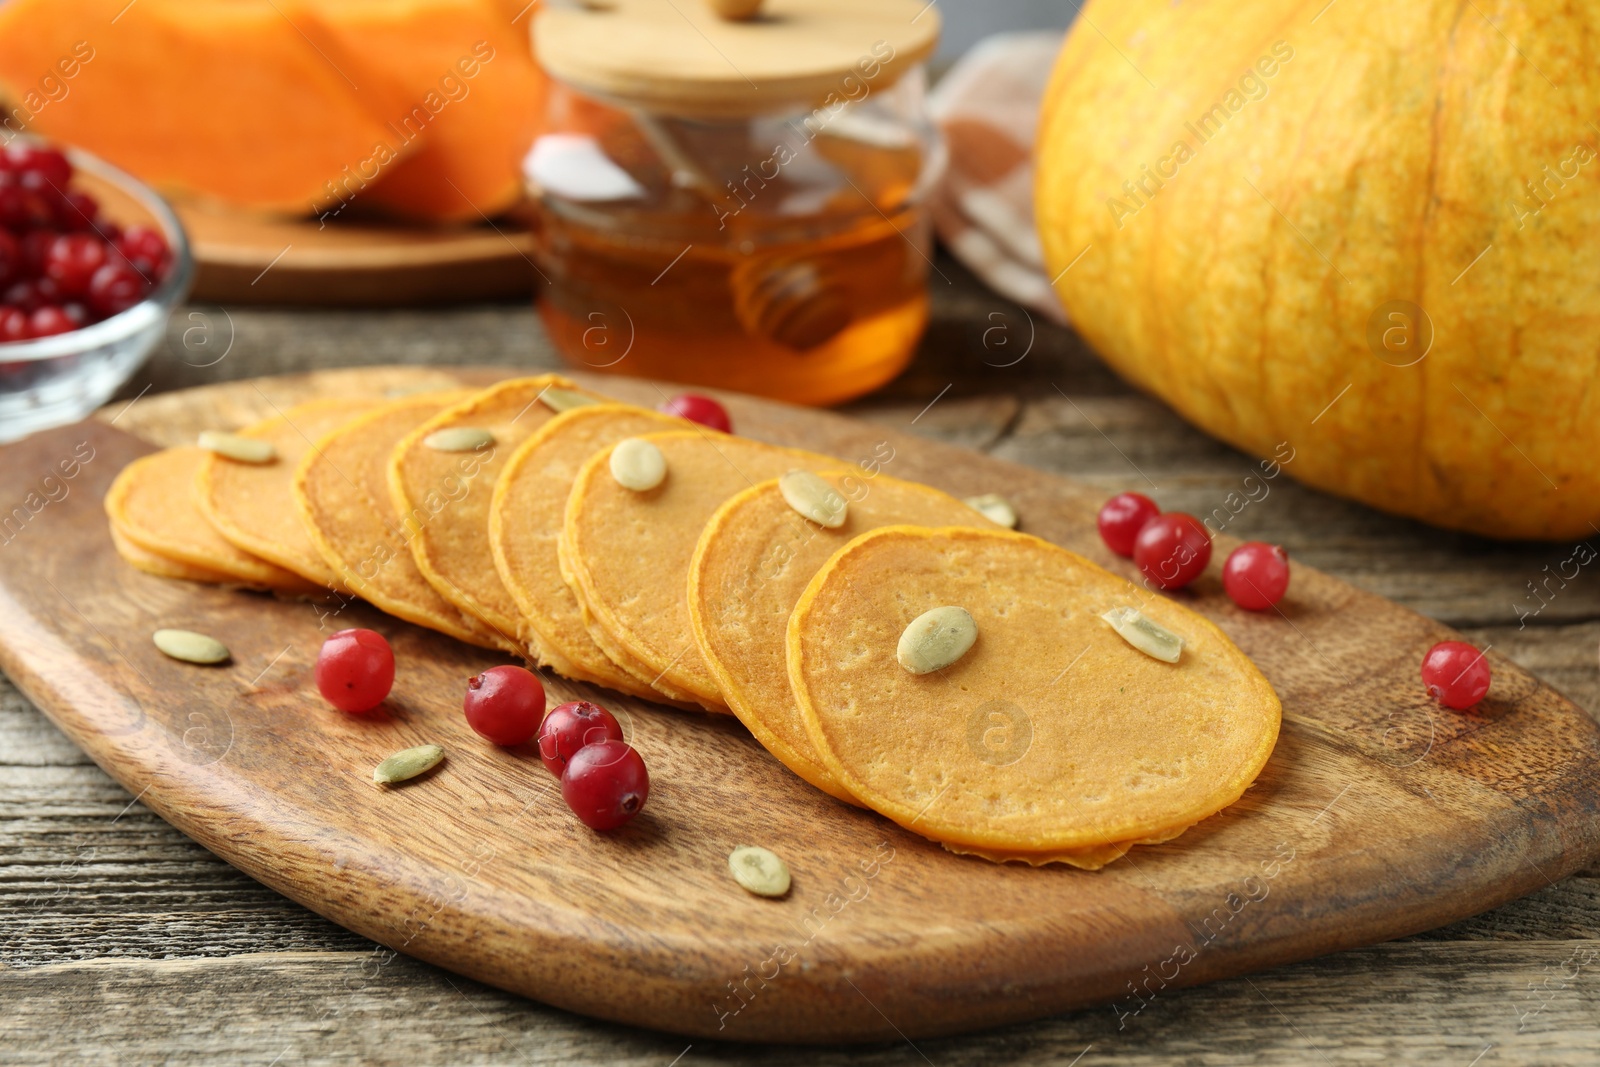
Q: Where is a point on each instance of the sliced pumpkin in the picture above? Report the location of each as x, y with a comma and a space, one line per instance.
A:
223, 98
457, 84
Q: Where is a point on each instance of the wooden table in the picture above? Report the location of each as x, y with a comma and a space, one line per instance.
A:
124, 942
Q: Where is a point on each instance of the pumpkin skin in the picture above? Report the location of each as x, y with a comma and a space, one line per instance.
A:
222, 100
421, 109
1385, 161
456, 75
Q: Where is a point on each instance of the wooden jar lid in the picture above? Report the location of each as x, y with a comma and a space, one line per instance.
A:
678, 57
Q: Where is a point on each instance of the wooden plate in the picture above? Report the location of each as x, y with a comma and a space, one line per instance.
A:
246, 259
1379, 814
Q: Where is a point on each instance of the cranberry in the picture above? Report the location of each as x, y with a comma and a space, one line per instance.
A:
72, 261
36, 246
11, 259
32, 294
1172, 550
605, 784
1256, 575
77, 212
697, 408
13, 325
22, 208
355, 670
1456, 674
115, 288
569, 727
1121, 519
49, 163
49, 321
145, 249
505, 704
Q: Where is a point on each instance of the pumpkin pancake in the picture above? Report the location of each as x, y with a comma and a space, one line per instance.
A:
153, 514
1051, 733
161, 566
342, 491
754, 559
525, 518
1089, 859
442, 497
626, 554
252, 504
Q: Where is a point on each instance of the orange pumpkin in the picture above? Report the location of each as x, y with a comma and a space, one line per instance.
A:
220, 99
419, 108
1361, 231
460, 92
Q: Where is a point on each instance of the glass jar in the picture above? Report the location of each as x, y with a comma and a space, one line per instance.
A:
783, 253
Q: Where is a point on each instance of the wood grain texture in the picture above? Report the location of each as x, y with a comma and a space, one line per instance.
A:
150, 896
685, 60
1379, 815
252, 259
1513, 1003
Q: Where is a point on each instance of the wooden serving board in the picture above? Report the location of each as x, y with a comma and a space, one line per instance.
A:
249, 259
1379, 815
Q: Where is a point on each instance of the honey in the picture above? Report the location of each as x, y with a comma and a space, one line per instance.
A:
827, 312
736, 238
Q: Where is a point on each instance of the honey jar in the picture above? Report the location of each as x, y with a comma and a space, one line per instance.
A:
736, 199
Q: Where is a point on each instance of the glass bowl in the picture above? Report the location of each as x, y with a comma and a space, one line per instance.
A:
56, 380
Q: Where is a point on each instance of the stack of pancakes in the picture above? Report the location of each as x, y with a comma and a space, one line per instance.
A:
1051, 740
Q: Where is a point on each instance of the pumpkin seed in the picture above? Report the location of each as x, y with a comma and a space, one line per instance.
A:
814, 498
759, 870
1146, 635
235, 447
459, 439
936, 639
637, 464
995, 508
407, 764
190, 646
558, 399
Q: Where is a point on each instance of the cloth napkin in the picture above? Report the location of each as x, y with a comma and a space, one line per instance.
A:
987, 107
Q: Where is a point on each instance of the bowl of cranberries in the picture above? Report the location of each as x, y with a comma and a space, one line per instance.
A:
92, 263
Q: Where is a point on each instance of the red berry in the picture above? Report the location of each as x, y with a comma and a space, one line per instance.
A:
1456, 674
72, 261
11, 259
1121, 519
605, 784
1172, 550
115, 288
505, 704
355, 670
22, 208
569, 727
32, 294
1256, 575
145, 249
49, 321
49, 163
13, 325
697, 408
36, 245
77, 212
